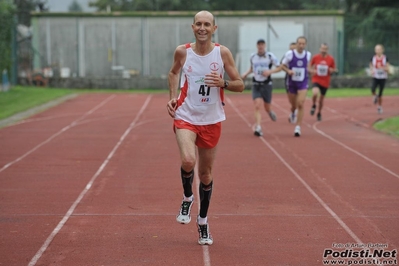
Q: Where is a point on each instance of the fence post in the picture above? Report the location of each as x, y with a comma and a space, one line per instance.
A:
5, 84
14, 61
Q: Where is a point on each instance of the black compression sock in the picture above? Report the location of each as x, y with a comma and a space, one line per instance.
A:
187, 180
205, 197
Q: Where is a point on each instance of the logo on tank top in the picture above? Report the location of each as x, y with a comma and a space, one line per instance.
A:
205, 100
190, 69
299, 63
214, 66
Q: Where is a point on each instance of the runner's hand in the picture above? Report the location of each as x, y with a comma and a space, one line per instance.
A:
171, 107
266, 73
290, 72
213, 80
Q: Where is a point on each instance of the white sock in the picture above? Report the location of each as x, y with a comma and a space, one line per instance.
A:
202, 220
188, 198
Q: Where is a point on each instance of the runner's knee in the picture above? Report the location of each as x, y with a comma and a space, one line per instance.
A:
188, 163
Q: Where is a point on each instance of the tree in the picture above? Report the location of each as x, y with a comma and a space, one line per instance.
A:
375, 21
7, 11
75, 7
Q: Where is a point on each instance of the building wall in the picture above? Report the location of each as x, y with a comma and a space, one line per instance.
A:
100, 46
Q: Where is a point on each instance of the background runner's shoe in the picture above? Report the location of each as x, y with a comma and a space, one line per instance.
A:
319, 117
258, 131
184, 214
273, 116
297, 132
379, 110
205, 237
312, 110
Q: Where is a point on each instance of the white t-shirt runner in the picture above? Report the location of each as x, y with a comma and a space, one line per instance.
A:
197, 103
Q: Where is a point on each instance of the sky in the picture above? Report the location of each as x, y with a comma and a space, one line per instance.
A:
63, 5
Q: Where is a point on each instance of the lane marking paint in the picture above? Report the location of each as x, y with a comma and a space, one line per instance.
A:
300, 179
50, 238
58, 133
205, 249
314, 126
353, 150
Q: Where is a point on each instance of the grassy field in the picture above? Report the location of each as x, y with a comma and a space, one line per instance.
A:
389, 126
20, 99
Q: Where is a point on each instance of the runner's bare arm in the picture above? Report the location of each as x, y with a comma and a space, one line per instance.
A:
173, 78
286, 69
235, 83
386, 67
311, 69
247, 73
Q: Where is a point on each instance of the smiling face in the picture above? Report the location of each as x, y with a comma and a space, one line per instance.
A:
203, 26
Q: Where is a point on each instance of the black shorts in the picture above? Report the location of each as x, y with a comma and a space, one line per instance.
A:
323, 90
378, 83
262, 90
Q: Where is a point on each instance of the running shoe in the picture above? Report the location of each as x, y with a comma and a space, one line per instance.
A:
273, 116
205, 237
185, 210
297, 132
258, 131
313, 109
319, 117
375, 100
379, 110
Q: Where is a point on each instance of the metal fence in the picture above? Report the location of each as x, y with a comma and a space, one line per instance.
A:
95, 45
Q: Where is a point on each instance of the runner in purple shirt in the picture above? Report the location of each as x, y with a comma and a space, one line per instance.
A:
296, 63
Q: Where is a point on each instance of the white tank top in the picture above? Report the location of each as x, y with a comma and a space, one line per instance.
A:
198, 104
378, 62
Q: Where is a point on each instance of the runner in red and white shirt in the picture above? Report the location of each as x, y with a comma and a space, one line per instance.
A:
379, 67
198, 112
322, 66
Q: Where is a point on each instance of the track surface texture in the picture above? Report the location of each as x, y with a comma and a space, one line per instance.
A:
95, 181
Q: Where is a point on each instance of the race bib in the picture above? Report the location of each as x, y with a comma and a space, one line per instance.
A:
259, 71
299, 74
322, 70
380, 72
200, 94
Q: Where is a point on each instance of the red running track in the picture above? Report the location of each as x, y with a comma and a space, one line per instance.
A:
95, 181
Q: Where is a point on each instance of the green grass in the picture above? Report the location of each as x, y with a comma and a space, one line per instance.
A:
389, 126
19, 98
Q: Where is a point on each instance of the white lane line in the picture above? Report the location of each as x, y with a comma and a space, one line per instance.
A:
352, 150
88, 186
58, 133
324, 134
311, 191
348, 117
205, 249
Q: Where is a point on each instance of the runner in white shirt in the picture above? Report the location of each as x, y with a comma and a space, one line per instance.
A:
379, 67
198, 112
261, 66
